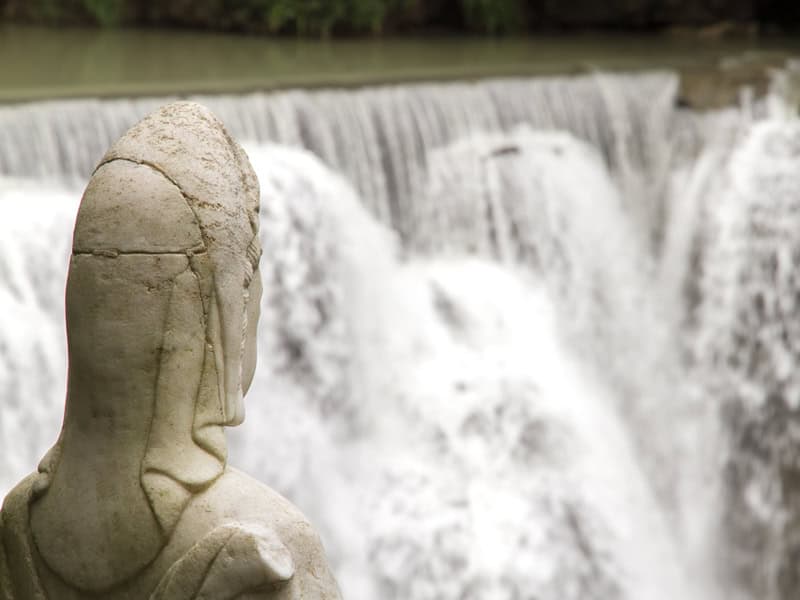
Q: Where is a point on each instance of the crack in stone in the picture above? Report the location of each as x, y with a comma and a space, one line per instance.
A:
114, 252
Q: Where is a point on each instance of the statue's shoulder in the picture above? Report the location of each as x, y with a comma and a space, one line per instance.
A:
15, 542
247, 534
240, 497
231, 560
15, 514
5, 574
15, 509
19, 498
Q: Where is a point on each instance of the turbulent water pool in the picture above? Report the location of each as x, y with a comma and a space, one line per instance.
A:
521, 338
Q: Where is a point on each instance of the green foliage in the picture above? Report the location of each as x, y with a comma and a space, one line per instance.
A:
314, 17
370, 15
323, 17
106, 12
494, 16
39, 10
301, 17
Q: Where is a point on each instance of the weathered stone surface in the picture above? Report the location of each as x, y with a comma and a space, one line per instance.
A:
135, 500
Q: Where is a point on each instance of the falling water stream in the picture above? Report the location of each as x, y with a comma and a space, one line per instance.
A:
502, 350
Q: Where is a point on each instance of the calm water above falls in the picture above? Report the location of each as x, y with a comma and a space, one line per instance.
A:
44, 63
498, 368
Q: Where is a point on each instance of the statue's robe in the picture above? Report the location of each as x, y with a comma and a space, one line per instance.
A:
254, 545
5, 576
18, 575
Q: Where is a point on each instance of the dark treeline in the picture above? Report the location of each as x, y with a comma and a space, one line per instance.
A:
357, 17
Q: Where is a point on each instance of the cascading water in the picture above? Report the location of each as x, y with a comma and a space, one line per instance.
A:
379, 138
743, 352
481, 374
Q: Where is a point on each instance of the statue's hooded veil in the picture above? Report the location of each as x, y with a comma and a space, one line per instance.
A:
204, 216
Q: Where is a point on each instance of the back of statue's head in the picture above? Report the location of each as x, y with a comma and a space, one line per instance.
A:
165, 258
177, 185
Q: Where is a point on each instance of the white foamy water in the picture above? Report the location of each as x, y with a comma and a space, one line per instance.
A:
378, 137
484, 372
429, 414
745, 352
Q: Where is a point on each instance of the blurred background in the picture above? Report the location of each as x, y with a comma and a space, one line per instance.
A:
531, 322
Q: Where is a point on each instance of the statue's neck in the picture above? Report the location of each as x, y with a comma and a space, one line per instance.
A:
106, 427
102, 450
94, 524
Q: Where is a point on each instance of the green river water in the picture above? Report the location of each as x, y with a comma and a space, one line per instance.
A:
41, 63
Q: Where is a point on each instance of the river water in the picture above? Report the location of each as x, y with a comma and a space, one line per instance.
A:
521, 338
39, 63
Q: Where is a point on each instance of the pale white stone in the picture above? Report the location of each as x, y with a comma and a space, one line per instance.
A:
135, 500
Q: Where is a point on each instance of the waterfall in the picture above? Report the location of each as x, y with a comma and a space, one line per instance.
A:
497, 335
35, 245
744, 350
378, 137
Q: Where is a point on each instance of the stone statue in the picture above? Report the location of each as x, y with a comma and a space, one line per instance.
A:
135, 500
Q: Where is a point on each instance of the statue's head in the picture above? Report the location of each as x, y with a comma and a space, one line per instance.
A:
162, 300
176, 185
